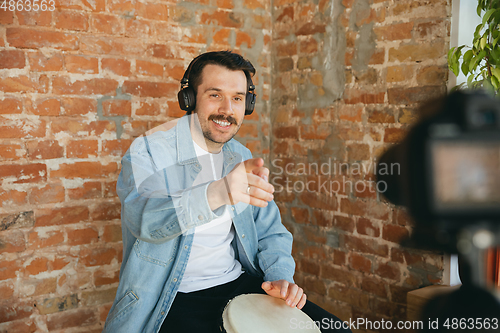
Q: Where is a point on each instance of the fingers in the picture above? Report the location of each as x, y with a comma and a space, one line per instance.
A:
253, 163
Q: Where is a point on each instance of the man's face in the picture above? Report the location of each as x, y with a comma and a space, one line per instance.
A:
220, 103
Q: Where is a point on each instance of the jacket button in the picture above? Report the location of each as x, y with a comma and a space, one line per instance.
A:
200, 217
232, 208
243, 236
175, 280
186, 247
163, 313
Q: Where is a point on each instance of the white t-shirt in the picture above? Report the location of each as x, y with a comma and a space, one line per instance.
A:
212, 261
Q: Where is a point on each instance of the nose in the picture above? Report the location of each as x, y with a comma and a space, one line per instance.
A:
226, 107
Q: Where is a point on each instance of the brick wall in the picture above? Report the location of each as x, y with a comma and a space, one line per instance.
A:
329, 125
77, 84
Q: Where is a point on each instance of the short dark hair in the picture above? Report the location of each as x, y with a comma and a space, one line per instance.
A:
228, 59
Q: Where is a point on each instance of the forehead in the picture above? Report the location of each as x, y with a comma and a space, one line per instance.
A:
215, 76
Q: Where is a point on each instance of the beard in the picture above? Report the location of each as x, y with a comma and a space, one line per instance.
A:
207, 133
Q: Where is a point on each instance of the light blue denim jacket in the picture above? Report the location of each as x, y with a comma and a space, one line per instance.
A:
160, 209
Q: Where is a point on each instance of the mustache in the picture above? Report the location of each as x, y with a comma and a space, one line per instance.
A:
220, 117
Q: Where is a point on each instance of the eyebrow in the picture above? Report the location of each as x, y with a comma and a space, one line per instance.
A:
220, 90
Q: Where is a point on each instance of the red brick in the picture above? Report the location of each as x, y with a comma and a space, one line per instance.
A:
6, 290
310, 267
46, 149
415, 94
107, 24
344, 223
47, 107
364, 208
13, 242
315, 131
152, 11
105, 277
366, 245
356, 96
374, 286
105, 211
321, 201
10, 269
97, 256
397, 31
12, 59
116, 66
139, 28
432, 75
24, 84
72, 318
36, 39
311, 28
46, 239
313, 284
12, 311
115, 147
82, 236
81, 65
110, 190
418, 52
360, 263
221, 36
116, 107
6, 17
34, 18
150, 108
174, 110
11, 106
394, 135
367, 227
94, 6
148, 68
82, 148
41, 62
388, 271
150, 89
59, 216
112, 233
51, 193
338, 275
381, 116
78, 106
394, 233
71, 20
358, 152
84, 170
89, 190
78, 127
28, 173
97, 86
349, 295
222, 19
12, 198
37, 266
127, 47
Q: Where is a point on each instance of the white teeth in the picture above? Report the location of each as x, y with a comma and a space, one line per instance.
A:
221, 123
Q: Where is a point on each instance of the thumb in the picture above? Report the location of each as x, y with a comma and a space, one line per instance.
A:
266, 285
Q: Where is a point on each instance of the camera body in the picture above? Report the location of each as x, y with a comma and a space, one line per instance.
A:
448, 169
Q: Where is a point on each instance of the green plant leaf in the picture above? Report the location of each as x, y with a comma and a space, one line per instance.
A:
495, 83
476, 60
483, 42
487, 16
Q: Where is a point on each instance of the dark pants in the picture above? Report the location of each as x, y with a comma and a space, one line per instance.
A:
201, 311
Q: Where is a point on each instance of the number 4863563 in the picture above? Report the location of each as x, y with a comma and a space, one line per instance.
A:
28, 5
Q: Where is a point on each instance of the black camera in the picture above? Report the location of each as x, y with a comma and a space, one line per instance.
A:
448, 169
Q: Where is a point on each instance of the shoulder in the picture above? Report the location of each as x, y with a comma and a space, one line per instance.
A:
163, 136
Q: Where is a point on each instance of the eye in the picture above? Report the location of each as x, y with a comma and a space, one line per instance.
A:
238, 98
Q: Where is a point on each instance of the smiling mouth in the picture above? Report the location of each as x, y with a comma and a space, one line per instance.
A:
221, 123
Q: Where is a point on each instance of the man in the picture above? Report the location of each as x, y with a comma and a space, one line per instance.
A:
199, 222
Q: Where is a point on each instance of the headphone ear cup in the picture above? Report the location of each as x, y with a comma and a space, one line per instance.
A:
250, 103
187, 100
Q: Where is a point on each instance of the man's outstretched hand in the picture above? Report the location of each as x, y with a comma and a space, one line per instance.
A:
247, 182
290, 292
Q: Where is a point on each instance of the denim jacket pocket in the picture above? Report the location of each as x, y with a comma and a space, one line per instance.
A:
157, 253
123, 305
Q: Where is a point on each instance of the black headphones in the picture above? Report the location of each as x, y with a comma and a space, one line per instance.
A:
187, 98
